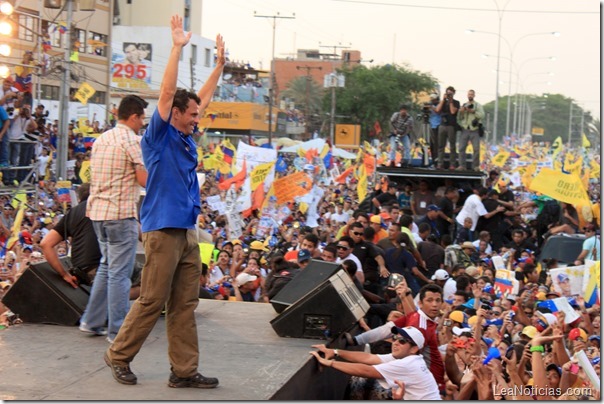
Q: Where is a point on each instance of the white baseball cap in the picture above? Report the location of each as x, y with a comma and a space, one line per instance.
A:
244, 278
440, 275
412, 333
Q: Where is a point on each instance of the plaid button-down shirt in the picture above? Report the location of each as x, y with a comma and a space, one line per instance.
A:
114, 190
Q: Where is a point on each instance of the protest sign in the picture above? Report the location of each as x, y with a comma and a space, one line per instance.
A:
215, 203
568, 281
563, 187
260, 173
288, 187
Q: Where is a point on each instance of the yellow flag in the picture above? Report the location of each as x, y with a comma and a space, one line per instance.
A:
362, 185
301, 152
595, 169
527, 176
574, 167
585, 142
259, 174
84, 93
85, 171
303, 207
368, 148
585, 178
16, 229
556, 147
205, 251
20, 197
500, 158
563, 187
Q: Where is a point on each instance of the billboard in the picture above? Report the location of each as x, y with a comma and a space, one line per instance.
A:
131, 68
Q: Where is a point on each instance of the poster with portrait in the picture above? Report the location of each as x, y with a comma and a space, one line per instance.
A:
568, 281
131, 67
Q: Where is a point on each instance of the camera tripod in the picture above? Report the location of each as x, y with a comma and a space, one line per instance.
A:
425, 145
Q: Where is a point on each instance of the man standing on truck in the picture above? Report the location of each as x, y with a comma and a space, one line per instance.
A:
447, 130
401, 127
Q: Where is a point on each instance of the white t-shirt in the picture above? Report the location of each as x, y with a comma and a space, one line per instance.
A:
472, 208
340, 217
412, 370
353, 258
449, 289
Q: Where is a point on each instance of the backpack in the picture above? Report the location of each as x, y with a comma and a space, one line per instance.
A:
455, 255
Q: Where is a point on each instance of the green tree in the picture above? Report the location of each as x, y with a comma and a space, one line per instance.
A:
374, 94
548, 111
307, 95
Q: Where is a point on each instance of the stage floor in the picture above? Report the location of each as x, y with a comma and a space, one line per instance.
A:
237, 345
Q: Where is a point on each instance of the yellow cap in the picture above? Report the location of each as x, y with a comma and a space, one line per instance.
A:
529, 331
457, 316
472, 320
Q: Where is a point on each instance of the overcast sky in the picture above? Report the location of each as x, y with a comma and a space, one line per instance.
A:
430, 36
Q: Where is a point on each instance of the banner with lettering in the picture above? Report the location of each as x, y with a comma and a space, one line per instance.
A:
255, 156
562, 187
260, 173
288, 187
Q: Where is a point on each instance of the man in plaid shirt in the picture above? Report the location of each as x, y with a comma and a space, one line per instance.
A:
117, 173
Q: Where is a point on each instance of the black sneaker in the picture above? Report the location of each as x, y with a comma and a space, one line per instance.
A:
122, 374
349, 339
197, 381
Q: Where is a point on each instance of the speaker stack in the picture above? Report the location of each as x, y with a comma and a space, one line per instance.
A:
320, 303
40, 295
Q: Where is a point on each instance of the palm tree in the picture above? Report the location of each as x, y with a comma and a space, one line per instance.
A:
306, 94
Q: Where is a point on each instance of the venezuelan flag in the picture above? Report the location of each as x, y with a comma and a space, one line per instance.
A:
592, 290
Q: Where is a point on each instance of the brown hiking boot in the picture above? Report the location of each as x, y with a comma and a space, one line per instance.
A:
197, 381
122, 374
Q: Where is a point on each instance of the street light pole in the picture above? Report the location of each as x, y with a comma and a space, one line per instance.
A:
272, 75
63, 139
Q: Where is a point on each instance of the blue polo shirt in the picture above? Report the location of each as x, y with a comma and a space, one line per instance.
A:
170, 157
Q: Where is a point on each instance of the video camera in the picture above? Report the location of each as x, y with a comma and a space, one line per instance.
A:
424, 115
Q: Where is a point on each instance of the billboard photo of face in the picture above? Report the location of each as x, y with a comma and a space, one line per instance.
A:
132, 68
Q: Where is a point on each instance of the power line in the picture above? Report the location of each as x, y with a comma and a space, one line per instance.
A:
377, 3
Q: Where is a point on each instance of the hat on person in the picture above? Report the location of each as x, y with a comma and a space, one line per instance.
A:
468, 244
511, 297
460, 331
236, 241
553, 366
376, 219
385, 216
472, 271
594, 338
562, 277
392, 184
458, 316
529, 331
303, 255
577, 333
258, 245
47, 220
26, 235
502, 183
552, 293
7, 205
412, 333
544, 320
433, 208
244, 278
440, 275
227, 242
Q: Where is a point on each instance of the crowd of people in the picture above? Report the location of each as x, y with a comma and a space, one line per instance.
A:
425, 255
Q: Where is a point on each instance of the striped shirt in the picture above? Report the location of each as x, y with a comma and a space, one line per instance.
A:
114, 190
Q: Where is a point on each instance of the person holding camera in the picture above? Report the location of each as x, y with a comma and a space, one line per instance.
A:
401, 127
434, 119
469, 117
447, 107
22, 124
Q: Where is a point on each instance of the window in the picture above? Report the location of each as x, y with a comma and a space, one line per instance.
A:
208, 57
98, 98
96, 50
194, 54
81, 35
26, 27
187, 16
50, 92
53, 33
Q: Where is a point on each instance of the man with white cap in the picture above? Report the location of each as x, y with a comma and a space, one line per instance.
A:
243, 287
440, 277
403, 364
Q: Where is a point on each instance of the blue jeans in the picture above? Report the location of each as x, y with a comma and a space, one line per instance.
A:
109, 298
14, 156
406, 148
4, 148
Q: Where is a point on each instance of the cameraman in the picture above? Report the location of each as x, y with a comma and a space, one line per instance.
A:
434, 120
22, 124
401, 126
470, 115
447, 107
9, 96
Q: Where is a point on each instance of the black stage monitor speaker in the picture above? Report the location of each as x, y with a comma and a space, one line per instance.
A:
330, 309
40, 295
312, 276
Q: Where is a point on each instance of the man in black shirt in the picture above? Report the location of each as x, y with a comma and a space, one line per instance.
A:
386, 198
85, 251
447, 130
492, 224
445, 221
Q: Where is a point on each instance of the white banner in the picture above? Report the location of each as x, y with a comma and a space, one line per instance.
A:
215, 203
255, 156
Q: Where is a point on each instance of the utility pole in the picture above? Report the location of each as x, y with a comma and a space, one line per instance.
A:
64, 101
308, 80
333, 83
272, 78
